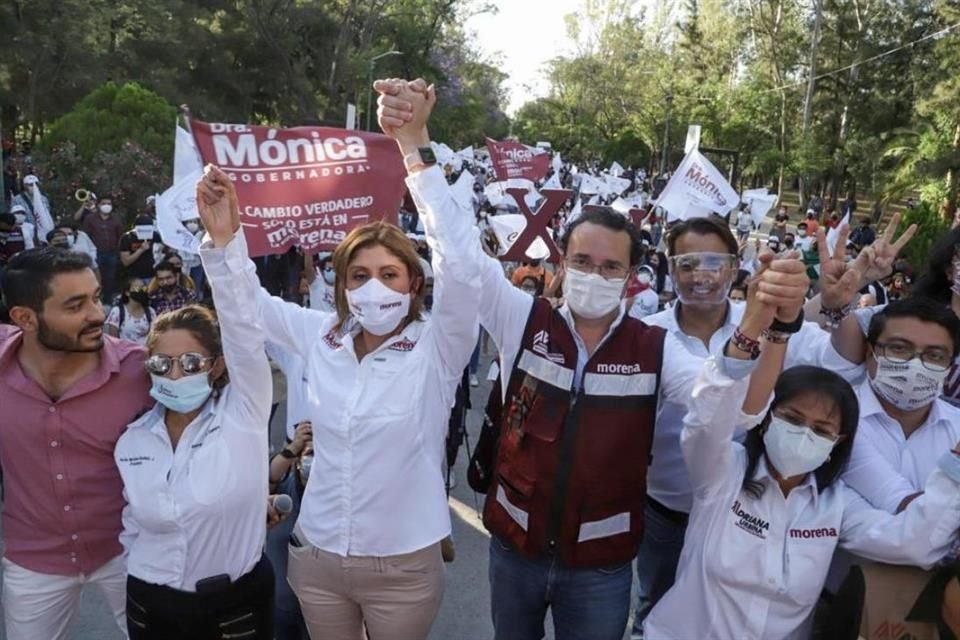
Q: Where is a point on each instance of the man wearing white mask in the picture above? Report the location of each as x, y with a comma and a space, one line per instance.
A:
911, 346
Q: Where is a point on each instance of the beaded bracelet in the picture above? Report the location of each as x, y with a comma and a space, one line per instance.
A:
776, 337
744, 343
833, 317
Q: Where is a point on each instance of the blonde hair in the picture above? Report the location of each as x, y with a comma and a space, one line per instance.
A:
391, 238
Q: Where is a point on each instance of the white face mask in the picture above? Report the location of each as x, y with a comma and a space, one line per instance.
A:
106, 208
802, 233
192, 227
377, 307
20, 217
907, 385
590, 295
795, 450
644, 277
329, 276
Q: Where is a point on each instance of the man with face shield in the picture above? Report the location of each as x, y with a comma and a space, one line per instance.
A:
581, 387
703, 266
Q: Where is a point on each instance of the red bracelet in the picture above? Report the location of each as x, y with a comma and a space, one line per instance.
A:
743, 342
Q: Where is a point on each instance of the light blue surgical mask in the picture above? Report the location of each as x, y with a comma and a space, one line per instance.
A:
182, 395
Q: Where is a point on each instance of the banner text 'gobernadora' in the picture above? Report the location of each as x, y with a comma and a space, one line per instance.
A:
304, 186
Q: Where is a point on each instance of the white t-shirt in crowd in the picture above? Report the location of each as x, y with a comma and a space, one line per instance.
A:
321, 296
645, 303
134, 328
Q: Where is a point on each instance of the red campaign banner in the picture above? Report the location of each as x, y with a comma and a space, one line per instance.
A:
304, 186
514, 160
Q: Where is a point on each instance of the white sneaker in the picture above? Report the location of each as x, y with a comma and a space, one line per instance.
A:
473, 380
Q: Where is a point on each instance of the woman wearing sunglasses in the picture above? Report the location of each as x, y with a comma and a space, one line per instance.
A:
195, 468
768, 514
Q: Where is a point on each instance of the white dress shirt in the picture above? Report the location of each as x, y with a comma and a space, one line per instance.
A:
200, 510
667, 479
645, 304
380, 424
886, 467
752, 568
291, 364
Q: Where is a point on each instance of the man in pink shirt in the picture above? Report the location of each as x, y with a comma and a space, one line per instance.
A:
67, 392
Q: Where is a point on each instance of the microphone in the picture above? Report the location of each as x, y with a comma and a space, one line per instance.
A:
283, 504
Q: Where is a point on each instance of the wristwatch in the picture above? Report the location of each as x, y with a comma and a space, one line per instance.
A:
422, 157
289, 455
788, 327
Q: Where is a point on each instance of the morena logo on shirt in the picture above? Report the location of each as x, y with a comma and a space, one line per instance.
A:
332, 340
823, 532
750, 523
402, 345
620, 369
390, 305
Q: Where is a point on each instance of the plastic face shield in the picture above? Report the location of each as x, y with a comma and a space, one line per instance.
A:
703, 278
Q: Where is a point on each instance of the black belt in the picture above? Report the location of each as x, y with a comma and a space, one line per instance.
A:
677, 517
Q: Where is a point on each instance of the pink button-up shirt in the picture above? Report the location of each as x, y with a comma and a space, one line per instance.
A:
62, 492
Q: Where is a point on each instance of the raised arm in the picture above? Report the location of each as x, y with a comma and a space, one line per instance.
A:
233, 280
451, 233
503, 309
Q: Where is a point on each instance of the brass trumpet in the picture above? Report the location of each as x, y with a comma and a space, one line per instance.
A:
84, 195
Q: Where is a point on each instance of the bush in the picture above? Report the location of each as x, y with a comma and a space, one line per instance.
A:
111, 116
930, 227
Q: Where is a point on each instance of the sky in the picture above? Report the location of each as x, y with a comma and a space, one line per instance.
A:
525, 34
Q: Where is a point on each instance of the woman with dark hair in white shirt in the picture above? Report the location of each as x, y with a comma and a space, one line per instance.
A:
768, 514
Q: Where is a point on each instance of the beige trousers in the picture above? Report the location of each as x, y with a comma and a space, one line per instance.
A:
393, 598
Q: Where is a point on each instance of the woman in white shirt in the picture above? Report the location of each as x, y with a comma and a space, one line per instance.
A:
768, 514
195, 467
131, 319
379, 379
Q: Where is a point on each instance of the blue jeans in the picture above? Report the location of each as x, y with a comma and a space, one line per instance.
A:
289, 623
657, 562
589, 604
199, 277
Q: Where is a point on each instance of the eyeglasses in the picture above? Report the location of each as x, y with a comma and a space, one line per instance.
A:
607, 270
820, 431
702, 261
899, 353
190, 363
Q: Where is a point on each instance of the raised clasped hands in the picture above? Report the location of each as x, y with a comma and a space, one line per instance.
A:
778, 289
218, 206
404, 108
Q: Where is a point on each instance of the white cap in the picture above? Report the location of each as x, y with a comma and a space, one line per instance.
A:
18, 208
30, 179
151, 198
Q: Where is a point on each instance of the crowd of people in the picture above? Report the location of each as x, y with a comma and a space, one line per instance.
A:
750, 423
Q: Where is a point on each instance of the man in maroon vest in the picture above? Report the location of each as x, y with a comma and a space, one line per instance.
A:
581, 387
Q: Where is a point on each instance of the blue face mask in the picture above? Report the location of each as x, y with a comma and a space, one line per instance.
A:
182, 395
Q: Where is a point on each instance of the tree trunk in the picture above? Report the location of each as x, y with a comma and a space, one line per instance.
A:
811, 84
953, 181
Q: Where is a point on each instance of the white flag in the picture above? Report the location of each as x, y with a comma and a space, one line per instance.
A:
466, 153
557, 162
553, 182
176, 204
616, 185
509, 227
575, 212
834, 234
590, 185
696, 190
620, 206
760, 202
186, 158
42, 214
616, 170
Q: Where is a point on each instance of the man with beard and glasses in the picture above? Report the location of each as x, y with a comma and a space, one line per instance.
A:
67, 392
703, 266
170, 294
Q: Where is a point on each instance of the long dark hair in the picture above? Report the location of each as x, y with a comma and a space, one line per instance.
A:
934, 283
826, 384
